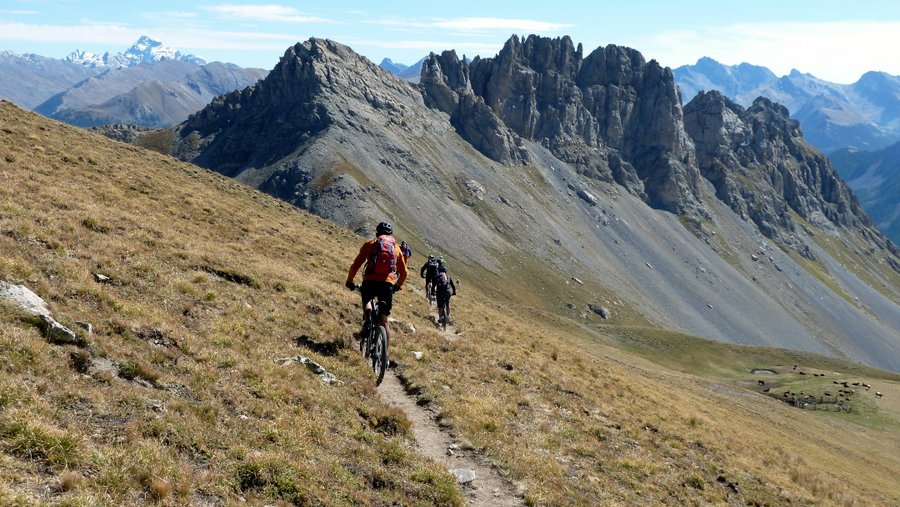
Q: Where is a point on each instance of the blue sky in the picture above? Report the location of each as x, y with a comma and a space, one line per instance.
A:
836, 40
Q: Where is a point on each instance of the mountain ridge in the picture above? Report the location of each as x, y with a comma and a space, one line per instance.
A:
358, 144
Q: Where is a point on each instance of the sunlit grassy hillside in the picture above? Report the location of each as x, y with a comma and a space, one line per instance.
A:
179, 399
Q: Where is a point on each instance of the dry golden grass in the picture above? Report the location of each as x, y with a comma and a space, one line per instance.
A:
210, 282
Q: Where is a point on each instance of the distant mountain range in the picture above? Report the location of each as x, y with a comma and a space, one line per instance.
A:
150, 84
857, 125
875, 179
864, 115
145, 50
29, 79
409, 73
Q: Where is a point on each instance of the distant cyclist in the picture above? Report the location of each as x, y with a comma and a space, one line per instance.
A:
406, 249
383, 275
429, 272
444, 288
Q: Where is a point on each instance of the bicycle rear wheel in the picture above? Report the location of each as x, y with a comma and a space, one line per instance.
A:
380, 354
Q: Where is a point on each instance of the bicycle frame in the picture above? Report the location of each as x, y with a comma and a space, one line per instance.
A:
374, 345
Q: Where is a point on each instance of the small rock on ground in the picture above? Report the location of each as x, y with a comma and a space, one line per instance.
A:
463, 475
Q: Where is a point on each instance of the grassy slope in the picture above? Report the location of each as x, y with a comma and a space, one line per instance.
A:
230, 421
215, 418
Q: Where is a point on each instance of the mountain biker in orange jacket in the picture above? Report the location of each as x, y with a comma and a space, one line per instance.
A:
382, 285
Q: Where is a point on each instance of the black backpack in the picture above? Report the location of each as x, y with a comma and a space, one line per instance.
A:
443, 283
431, 269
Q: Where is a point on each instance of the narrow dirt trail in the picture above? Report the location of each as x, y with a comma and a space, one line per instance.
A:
488, 488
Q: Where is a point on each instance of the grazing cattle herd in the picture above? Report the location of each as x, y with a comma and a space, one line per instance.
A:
828, 400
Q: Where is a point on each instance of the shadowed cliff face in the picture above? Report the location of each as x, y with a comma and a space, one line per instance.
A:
763, 169
612, 115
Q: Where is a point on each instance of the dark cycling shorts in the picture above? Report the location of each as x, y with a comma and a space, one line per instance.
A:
443, 296
385, 292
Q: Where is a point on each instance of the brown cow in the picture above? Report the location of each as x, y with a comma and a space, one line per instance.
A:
760, 382
878, 394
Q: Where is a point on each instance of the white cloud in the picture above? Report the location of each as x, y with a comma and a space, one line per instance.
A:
87, 33
179, 14
483, 24
472, 25
118, 35
835, 51
269, 12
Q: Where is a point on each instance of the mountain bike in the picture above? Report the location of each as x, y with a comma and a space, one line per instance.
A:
429, 293
373, 344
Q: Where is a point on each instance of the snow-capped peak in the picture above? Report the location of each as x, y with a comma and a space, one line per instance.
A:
85, 58
145, 50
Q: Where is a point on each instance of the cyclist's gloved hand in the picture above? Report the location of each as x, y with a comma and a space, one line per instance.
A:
349, 284
398, 288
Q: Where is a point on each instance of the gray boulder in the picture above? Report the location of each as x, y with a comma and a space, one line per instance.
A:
35, 306
600, 310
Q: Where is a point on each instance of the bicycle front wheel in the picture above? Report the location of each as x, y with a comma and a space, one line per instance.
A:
380, 354
364, 343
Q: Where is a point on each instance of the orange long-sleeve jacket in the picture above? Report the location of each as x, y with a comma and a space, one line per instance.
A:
365, 252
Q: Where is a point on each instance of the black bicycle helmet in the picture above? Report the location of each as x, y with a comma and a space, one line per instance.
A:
384, 228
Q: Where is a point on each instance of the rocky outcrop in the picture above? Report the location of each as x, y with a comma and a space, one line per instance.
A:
267, 134
275, 116
122, 132
446, 86
762, 168
612, 115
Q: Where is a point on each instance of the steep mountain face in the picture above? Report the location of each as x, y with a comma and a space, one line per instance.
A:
864, 115
28, 80
158, 94
537, 166
611, 115
760, 166
316, 86
875, 178
145, 50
